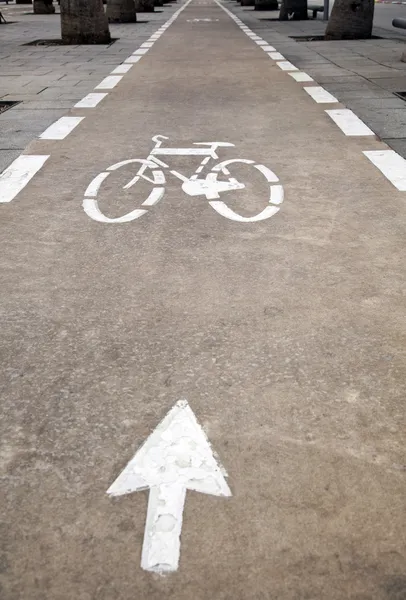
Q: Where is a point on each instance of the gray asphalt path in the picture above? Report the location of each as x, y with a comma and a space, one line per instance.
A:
286, 336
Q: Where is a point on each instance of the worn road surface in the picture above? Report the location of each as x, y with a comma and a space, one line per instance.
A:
285, 335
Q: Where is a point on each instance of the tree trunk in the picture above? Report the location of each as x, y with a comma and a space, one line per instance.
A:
84, 22
144, 5
43, 7
121, 11
351, 20
295, 10
266, 5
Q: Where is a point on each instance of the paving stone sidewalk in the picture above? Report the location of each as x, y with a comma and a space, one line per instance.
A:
48, 80
362, 74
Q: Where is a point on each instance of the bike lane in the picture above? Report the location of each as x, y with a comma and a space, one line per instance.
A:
285, 336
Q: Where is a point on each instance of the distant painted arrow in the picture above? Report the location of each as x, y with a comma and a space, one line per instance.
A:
176, 457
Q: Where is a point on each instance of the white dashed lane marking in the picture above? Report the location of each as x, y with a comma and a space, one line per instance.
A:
91, 100
109, 82
61, 128
18, 174
348, 122
391, 164
320, 95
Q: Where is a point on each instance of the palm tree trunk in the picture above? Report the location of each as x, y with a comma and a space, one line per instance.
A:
144, 5
121, 11
295, 10
351, 20
43, 7
84, 22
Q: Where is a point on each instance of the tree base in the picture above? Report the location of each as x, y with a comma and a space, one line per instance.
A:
41, 7
346, 36
293, 16
86, 40
266, 5
122, 19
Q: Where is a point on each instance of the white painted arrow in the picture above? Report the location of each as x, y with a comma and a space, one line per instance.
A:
176, 457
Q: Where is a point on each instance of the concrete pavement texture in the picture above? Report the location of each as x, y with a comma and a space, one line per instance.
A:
286, 335
365, 75
47, 80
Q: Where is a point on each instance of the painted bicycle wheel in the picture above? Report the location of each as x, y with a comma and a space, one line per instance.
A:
157, 178
273, 202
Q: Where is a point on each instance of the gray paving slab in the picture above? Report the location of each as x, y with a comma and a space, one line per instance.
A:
7, 157
12, 138
393, 84
387, 123
362, 74
399, 145
59, 74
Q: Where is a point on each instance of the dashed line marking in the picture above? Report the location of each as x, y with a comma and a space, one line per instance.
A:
320, 95
61, 128
301, 76
268, 48
140, 51
276, 55
348, 122
132, 59
109, 82
285, 65
391, 164
91, 100
121, 69
18, 174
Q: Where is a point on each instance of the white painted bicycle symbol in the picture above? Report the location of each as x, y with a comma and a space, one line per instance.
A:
210, 186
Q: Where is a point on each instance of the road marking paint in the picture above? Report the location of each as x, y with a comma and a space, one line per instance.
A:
320, 95
348, 122
301, 76
210, 187
182, 151
140, 51
268, 48
285, 65
132, 59
147, 45
176, 457
109, 82
18, 174
61, 128
93, 187
276, 56
391, 164
261, 43
91, 100
121, 69
206, 20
